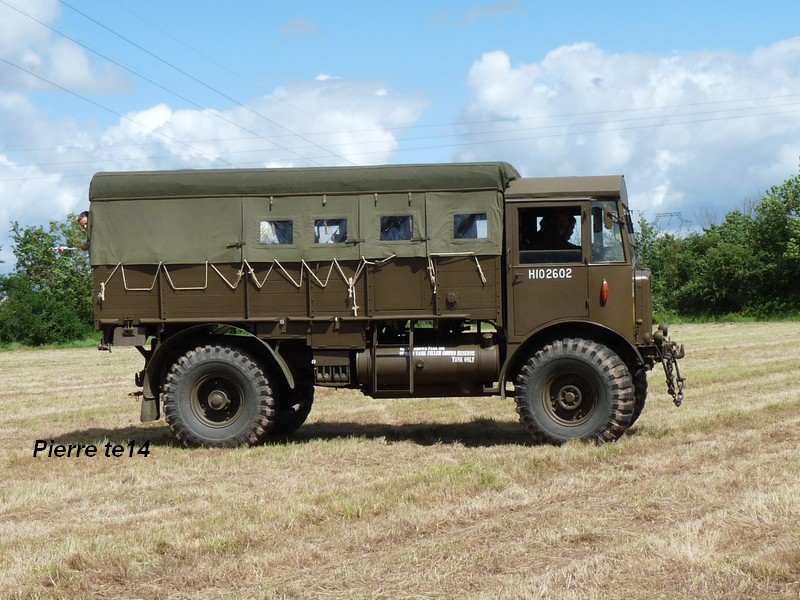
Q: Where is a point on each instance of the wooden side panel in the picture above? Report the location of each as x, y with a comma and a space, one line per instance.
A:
279, 292
202, 292
329, 290
126, 292
469, 285
397, 288
400, 287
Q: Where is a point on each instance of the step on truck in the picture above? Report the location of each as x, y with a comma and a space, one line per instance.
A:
245, 289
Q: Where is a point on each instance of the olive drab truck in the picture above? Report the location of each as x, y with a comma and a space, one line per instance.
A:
245, 289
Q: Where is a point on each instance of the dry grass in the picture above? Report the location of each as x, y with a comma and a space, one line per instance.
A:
410, 498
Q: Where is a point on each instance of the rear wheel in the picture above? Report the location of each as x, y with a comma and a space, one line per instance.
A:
218, 396
294, 407
575, 389
639, 392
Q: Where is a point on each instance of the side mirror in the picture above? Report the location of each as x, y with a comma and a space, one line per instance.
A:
608, 216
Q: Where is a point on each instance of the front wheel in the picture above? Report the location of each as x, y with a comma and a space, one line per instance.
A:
640, 393
575, 389
216, 395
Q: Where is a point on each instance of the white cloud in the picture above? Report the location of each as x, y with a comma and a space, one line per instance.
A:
692, 132
70, 68
46, 163
496, 10
300, 27
36, 57
479, 12
18, 30
322, 122
327, 121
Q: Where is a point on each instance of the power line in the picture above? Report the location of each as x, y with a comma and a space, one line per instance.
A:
149, 80
471, 134
240, 164
435, 125
210, 59
605, 126
113, 112
196, 80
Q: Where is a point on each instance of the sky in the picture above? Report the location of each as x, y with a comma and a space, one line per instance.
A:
696, 103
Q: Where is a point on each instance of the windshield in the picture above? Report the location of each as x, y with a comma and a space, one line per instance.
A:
606, 232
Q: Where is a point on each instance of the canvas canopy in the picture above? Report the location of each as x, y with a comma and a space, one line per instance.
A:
196, 216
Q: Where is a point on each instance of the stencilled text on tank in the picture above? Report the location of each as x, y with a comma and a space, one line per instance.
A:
455, 355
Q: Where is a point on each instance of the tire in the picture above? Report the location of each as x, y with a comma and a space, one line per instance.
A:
294, 408
639, 393
218, 396
575, 389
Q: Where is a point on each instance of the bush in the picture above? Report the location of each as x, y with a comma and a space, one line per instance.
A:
35, 316
48, 299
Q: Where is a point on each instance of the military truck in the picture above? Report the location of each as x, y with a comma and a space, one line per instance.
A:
245, 289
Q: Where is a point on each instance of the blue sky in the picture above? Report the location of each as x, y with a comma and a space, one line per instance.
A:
698, 104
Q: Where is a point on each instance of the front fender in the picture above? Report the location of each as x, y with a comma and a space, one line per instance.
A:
579, 329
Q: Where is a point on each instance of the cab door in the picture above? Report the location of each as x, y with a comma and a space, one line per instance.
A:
546, 264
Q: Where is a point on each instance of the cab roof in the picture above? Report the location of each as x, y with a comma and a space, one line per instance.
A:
562, 187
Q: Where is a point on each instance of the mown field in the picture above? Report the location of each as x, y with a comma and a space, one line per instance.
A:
410, 498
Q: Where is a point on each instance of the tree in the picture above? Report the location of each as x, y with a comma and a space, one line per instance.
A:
49, 294
748, 264
725, 270
777, 238
671, 261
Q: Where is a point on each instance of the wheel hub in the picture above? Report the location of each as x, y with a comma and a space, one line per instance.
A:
569, 400
569, 397
218, 400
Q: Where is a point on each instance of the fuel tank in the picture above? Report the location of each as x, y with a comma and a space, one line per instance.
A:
438, 368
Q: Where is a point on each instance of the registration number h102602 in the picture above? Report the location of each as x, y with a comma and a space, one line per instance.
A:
550, 273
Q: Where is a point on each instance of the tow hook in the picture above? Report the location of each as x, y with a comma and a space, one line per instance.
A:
670, 354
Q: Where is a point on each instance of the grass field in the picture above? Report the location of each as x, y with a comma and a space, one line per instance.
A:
410, 498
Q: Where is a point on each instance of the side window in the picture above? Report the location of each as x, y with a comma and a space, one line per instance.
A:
470, 226
330, 231
606, 232
550, 234
276, 233
397, 228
